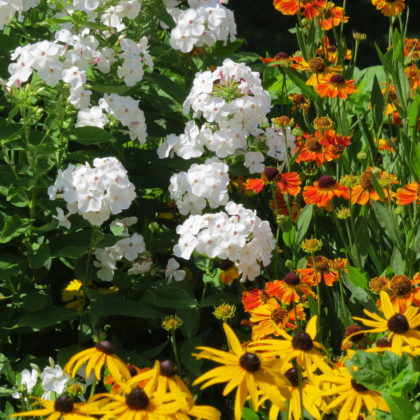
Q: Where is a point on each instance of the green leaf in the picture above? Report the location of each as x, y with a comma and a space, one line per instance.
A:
203, 263
385, 220
91, 135
71, 245
357, 277
52, 315
38, 255
96, 303
300, 83
213, 277
13, 226
117, 306
171, 297
377, 101
191, 321
186, 350
34, 301
303, 223
248, 414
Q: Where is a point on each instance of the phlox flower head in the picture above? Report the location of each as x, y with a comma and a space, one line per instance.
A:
93, 192
237, 234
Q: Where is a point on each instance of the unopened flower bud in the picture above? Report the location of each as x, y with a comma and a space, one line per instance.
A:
311, 245
171, 322
361, 155
359, 36
224, 311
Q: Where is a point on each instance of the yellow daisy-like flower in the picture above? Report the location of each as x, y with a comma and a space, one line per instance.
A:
64, 408
401, 327
149, 403
311, 399
351, 395
248, 372
301, 346
102, 354
169, 382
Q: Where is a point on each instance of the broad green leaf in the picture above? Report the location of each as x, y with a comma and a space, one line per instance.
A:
91, 135
12, 227
118, 306
300, 83
303, 223
357, 277
385, 220
34, 301
47, 317
96, 306
171, 297
203, 263
213, 277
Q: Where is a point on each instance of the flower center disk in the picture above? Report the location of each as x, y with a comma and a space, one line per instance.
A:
250, 362
106, 347
302, 341
326, 181
137, 399
64, 404
398, 324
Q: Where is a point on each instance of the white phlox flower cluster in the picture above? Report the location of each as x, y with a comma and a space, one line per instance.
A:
129, 248
8, 9
126, 110
200, 185
277, 140
204, 23
238, 235
172, 272
233, 103
135, 57
52, 60
27, 382
53, 380
114, 15
94, 193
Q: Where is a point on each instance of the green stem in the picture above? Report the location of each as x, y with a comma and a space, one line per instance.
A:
175, 349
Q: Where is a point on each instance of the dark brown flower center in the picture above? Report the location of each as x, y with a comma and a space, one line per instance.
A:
337, 79
351, 329
337, 149
270, 173
383, 342
302, 341
398, 324
358, 387
281, 56
279, 315
292, 279
366, 181
332, 49
317, 65
401, 285
293, 376
225, 264
137, 399
322, 264
168, 368
298, 98
326, 181
250, 362
313, 145
106, 347
64, 404
132, 369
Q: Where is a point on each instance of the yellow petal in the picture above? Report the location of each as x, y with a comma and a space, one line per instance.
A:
386, 305
311, 327
233, 341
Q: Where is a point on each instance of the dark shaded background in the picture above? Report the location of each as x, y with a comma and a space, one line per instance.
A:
266, 30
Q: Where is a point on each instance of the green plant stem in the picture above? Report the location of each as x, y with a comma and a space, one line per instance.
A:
175, 350
317, 292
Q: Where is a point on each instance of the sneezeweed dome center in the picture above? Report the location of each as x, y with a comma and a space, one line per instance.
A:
326, 181
106, 347
291, 279
250, 362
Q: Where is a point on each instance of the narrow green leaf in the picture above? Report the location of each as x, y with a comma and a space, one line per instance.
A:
91, 135
303, 223
377, 101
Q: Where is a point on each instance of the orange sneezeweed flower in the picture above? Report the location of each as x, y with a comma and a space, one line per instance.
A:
322, 271
403, 291
300, 103
412, 48
271, 318
364, 192
309, 8
324, 190
389, 7
251, 299
288, 183
332, 16
413, 76
282, 208
290, 289
335, 85
317, 66
408, 194
384, 144
330, 51
280, 59
321, 146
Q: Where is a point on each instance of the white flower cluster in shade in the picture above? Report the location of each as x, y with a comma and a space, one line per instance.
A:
233, 103
203, 24
94, 193
134, 56
201, 184
8, 9
238, 235
131, 248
